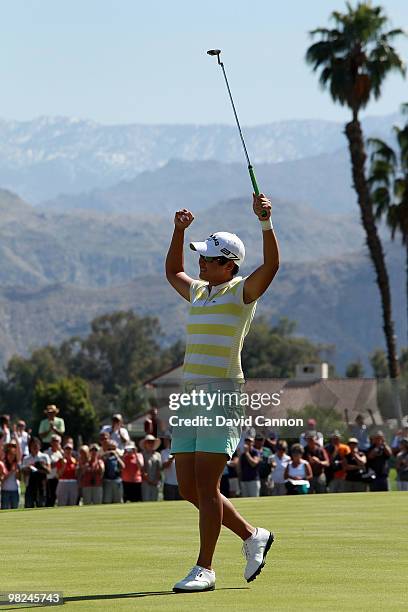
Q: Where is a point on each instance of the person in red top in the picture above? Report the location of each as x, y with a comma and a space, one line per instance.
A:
67, 488
90, 477
337, 451
132, 474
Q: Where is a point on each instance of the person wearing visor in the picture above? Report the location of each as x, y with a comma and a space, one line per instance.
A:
222, 305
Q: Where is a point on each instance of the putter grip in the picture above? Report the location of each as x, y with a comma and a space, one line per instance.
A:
254, 184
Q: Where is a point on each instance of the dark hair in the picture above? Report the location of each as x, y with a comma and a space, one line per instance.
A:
297, 448
34, 441
7, 463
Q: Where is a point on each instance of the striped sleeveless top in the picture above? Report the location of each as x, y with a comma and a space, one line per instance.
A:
216, 327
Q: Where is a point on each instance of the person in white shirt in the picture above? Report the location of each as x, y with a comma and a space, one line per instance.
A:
298, 472
311, 429
5, 427
35, 468
22, 437
117, 432
170, 484
280, 460
55, 454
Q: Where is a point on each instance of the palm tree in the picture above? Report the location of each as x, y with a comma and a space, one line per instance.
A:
354, 59
389, 185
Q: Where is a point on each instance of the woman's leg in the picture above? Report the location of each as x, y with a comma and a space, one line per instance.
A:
186, 476
208, 470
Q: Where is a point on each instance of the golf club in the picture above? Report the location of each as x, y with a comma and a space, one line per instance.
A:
217, 52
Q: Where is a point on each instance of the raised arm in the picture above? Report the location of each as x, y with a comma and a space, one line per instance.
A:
175, 258
257, 283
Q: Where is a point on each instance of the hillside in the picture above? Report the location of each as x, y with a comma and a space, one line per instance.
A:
322, 183
94, 250
334, 301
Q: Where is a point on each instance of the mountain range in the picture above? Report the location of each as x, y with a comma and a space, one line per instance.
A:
47, 156
90, 228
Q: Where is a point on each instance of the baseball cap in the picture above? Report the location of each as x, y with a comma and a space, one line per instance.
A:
221, 244
352, 441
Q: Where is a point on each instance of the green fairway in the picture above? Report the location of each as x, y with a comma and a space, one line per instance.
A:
331, 551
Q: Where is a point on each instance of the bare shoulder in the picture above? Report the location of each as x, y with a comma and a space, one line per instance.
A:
181, 282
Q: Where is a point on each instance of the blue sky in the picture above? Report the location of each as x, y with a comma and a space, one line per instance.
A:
133, 61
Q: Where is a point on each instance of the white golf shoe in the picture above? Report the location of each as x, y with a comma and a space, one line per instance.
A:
198, 579
255, 550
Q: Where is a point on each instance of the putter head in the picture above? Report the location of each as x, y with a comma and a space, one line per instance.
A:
215, 52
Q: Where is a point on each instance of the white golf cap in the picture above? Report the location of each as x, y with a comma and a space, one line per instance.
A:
221, 244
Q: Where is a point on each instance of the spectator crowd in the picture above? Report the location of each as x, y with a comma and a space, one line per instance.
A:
112, 470
116, 469
268, 466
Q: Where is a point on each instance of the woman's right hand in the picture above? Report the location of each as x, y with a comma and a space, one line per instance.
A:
183, 218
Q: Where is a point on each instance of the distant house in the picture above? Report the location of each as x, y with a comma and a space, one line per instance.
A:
310, 386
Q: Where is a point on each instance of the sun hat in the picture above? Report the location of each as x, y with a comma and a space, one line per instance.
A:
221, 244
51, 408
150, 438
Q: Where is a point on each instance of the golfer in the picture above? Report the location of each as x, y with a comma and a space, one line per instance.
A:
222, 308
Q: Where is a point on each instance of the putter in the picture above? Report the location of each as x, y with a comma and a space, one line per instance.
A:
216, 52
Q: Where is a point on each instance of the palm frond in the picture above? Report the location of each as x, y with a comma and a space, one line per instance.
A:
381, 200
380, 150
356, 55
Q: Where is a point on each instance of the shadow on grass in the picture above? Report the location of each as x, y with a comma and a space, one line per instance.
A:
118, 596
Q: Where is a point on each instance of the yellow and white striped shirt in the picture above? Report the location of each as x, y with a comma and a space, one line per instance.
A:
216, 327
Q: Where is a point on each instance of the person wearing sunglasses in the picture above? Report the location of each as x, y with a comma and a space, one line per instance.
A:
222, 305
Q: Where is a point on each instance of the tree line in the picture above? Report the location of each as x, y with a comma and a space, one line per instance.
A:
92, 377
